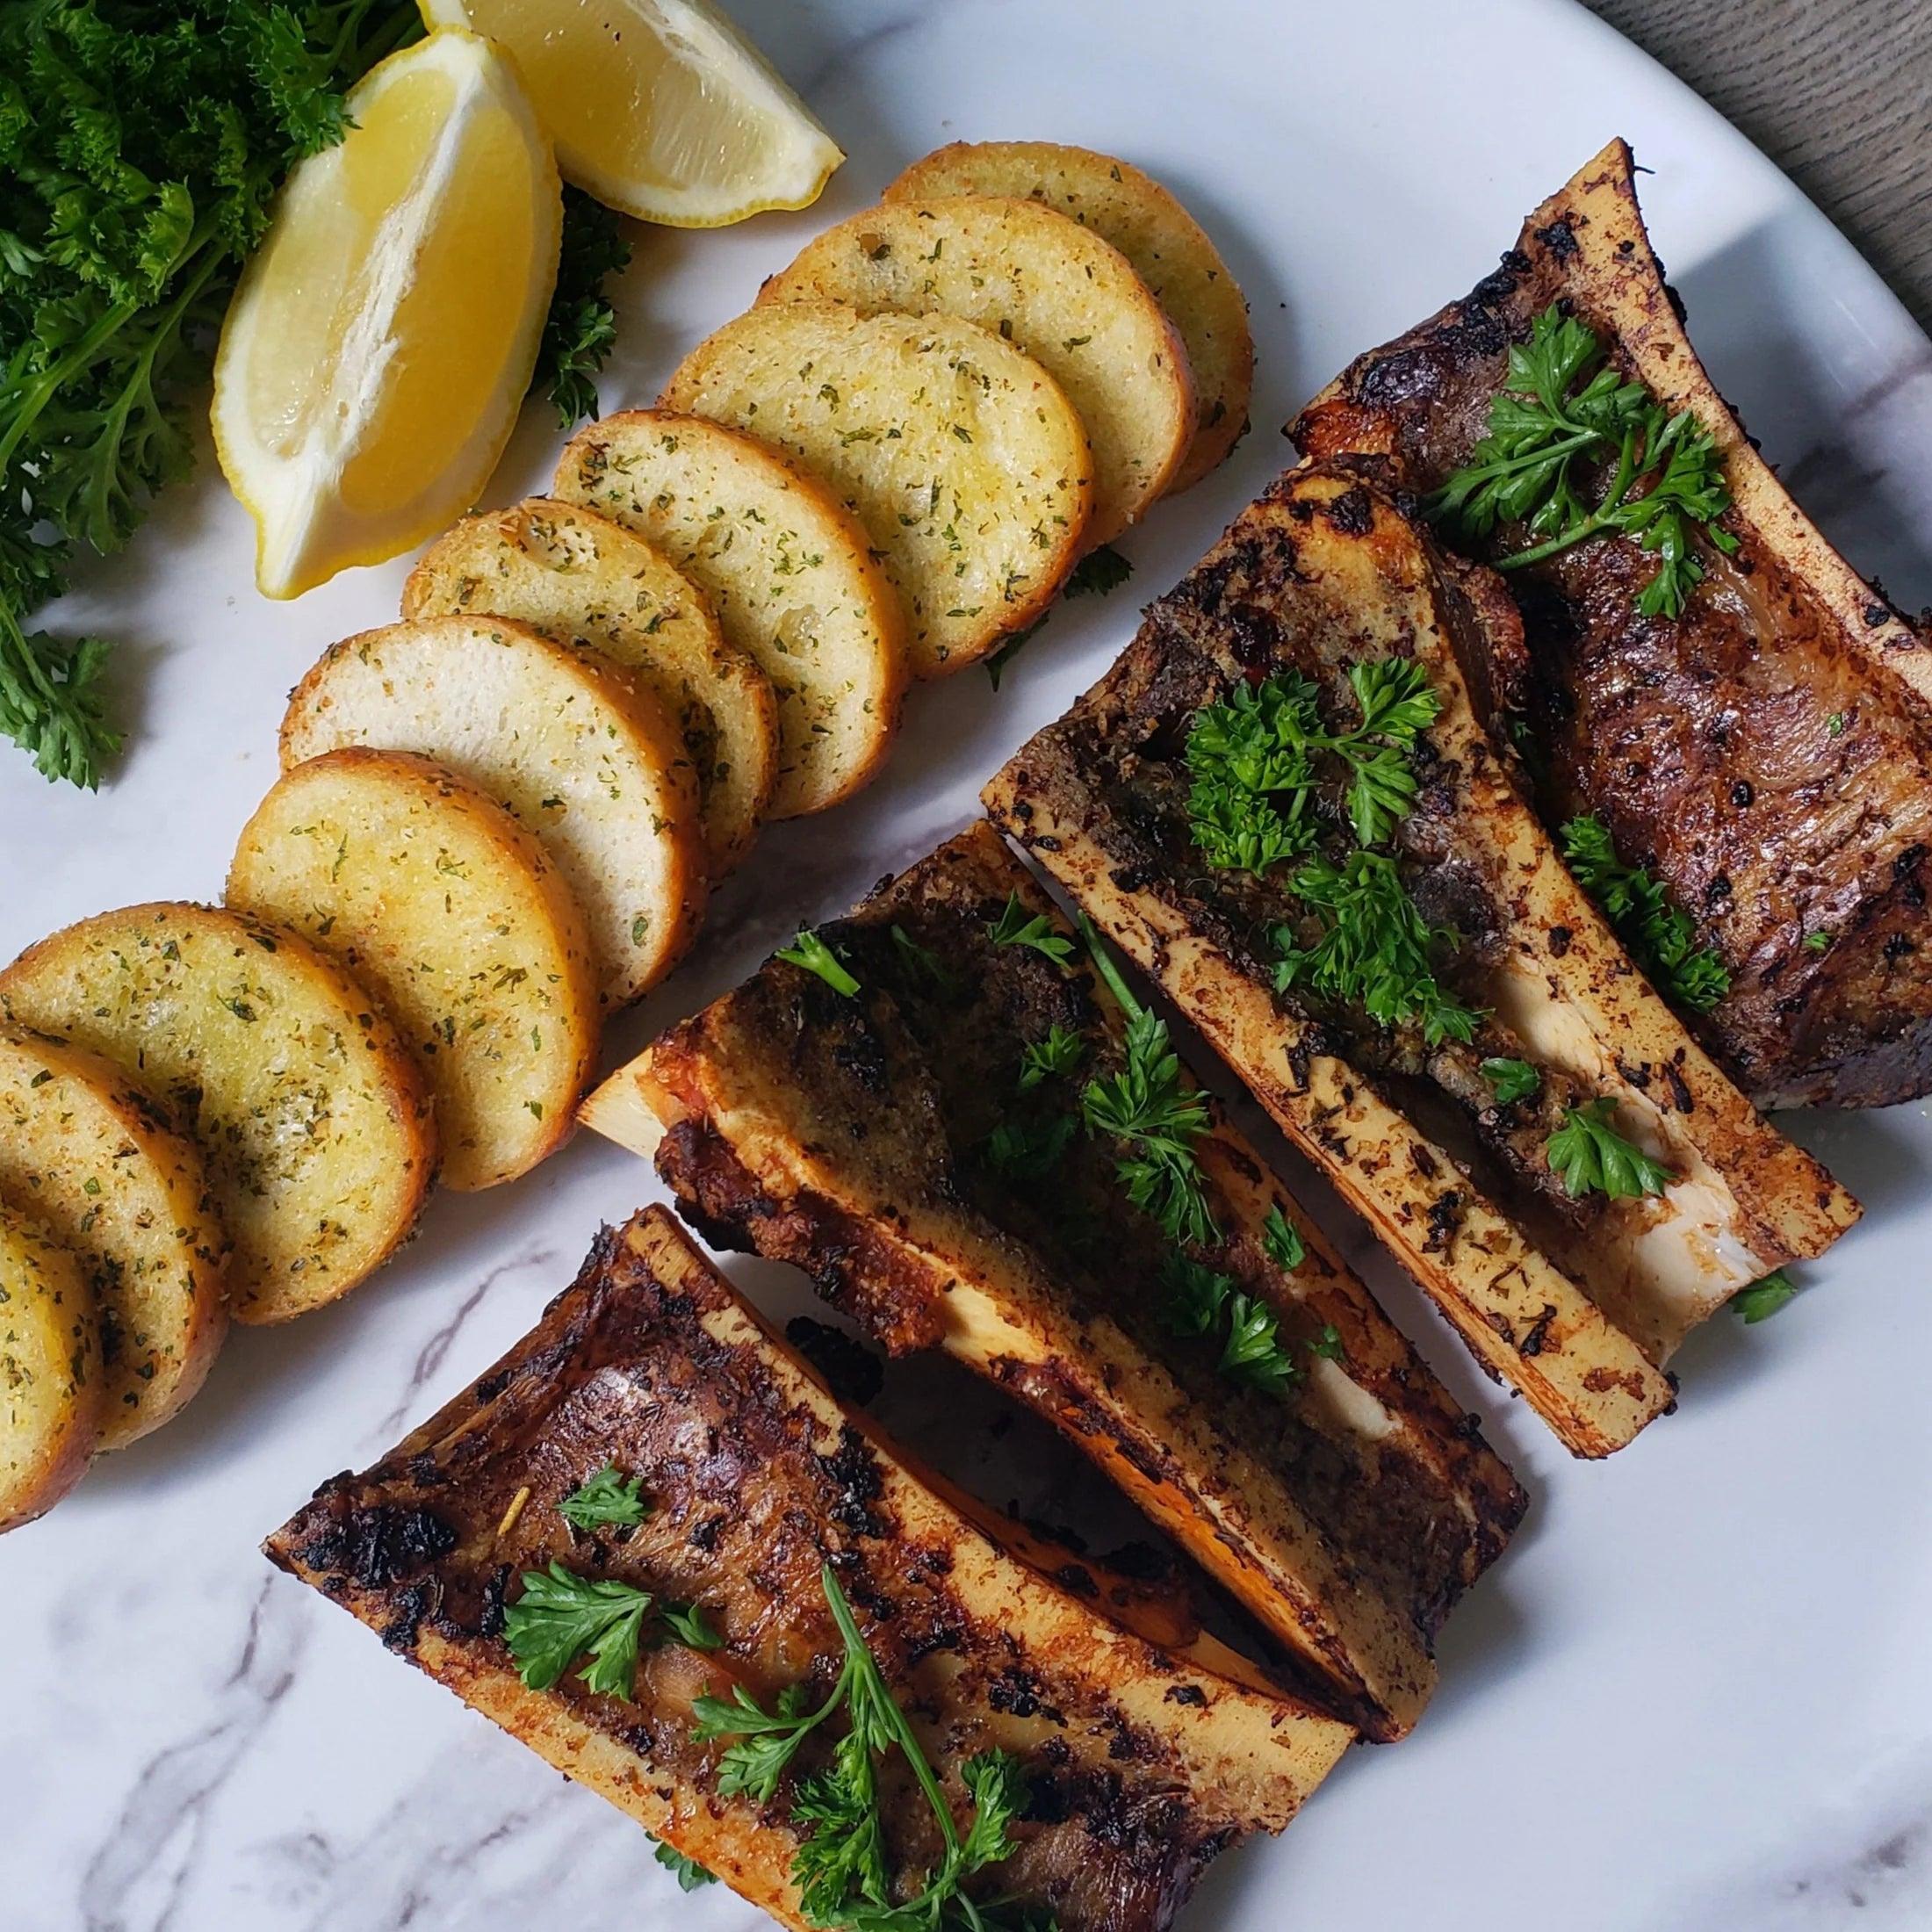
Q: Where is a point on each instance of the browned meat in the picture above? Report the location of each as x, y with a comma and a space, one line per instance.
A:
1578, 1302
1143, 1762
1768, 753
855, 1136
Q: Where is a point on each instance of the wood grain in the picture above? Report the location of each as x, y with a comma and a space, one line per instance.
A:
1837, 92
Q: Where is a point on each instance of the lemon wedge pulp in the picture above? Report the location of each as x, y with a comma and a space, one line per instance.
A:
376, 352
658, 107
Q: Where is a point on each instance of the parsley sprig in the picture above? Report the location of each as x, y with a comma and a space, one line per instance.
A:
1202, 1301
1764, 1298
1562, 407
141, 150
1145, 1104
561, 1617
689, 1874
811, 953
1254, 759
606, 1497
1059, 1052
1660, 935
1373, 950
1590, 1156
842, 1869
1015, 927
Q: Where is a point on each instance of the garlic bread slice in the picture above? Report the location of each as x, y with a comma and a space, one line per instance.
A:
312, 1120
92, 1158
561, 738
1053, 289
1170, 251
447, 909
581, 576
967, 466
788, 571
50, 1371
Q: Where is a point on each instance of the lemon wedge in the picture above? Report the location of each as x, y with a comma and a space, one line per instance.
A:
381, 342
660, 108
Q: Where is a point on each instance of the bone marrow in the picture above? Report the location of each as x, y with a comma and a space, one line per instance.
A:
891, 1143
1575, 1295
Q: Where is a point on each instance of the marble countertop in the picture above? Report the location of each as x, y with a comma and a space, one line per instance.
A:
1695, 1696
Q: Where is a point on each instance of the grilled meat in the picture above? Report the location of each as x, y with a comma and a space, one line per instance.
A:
1143, 1762
1768, 752
1576, 1302
861, 1137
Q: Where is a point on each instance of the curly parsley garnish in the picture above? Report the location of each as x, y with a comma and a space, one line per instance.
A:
1060, 1052
1590, 1156
1510, 1079
1764, 1298
1562, 406
1146, 1106
605, 1497
1253, 760
811, 953
1016, 926
1203, 1302
1660, 935
1282, 1240
561, 1617
842, 1869
1373, 948
689, 1874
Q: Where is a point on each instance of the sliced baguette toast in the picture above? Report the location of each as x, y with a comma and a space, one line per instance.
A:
311, 1117
1053, 289
584, 577
787, 570
91, 1158
861, 1137
560, 737
1141, 1762
51, 1394
962, 457
1577, 1299
445, 907
1169, 249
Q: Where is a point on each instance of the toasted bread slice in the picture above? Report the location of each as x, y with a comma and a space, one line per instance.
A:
557, 735
313, 1122
51, 1394
966, 464
91, 1159
1170, 251
1050, 287
446, 908
1143, 1761
581, 576
787, 572
860, 1136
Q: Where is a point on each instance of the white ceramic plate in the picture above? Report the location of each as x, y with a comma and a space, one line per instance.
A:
1695, 1697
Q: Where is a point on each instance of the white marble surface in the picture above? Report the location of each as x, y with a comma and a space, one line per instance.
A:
1695, 1697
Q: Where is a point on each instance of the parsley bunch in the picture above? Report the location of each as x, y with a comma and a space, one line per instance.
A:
842, 1869
1560, 407
1659, 934
1373, 948
141, 149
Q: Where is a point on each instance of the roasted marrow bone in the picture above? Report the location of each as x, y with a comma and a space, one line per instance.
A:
1141, 1763
859, 1137
1578, 1302
1768, 753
